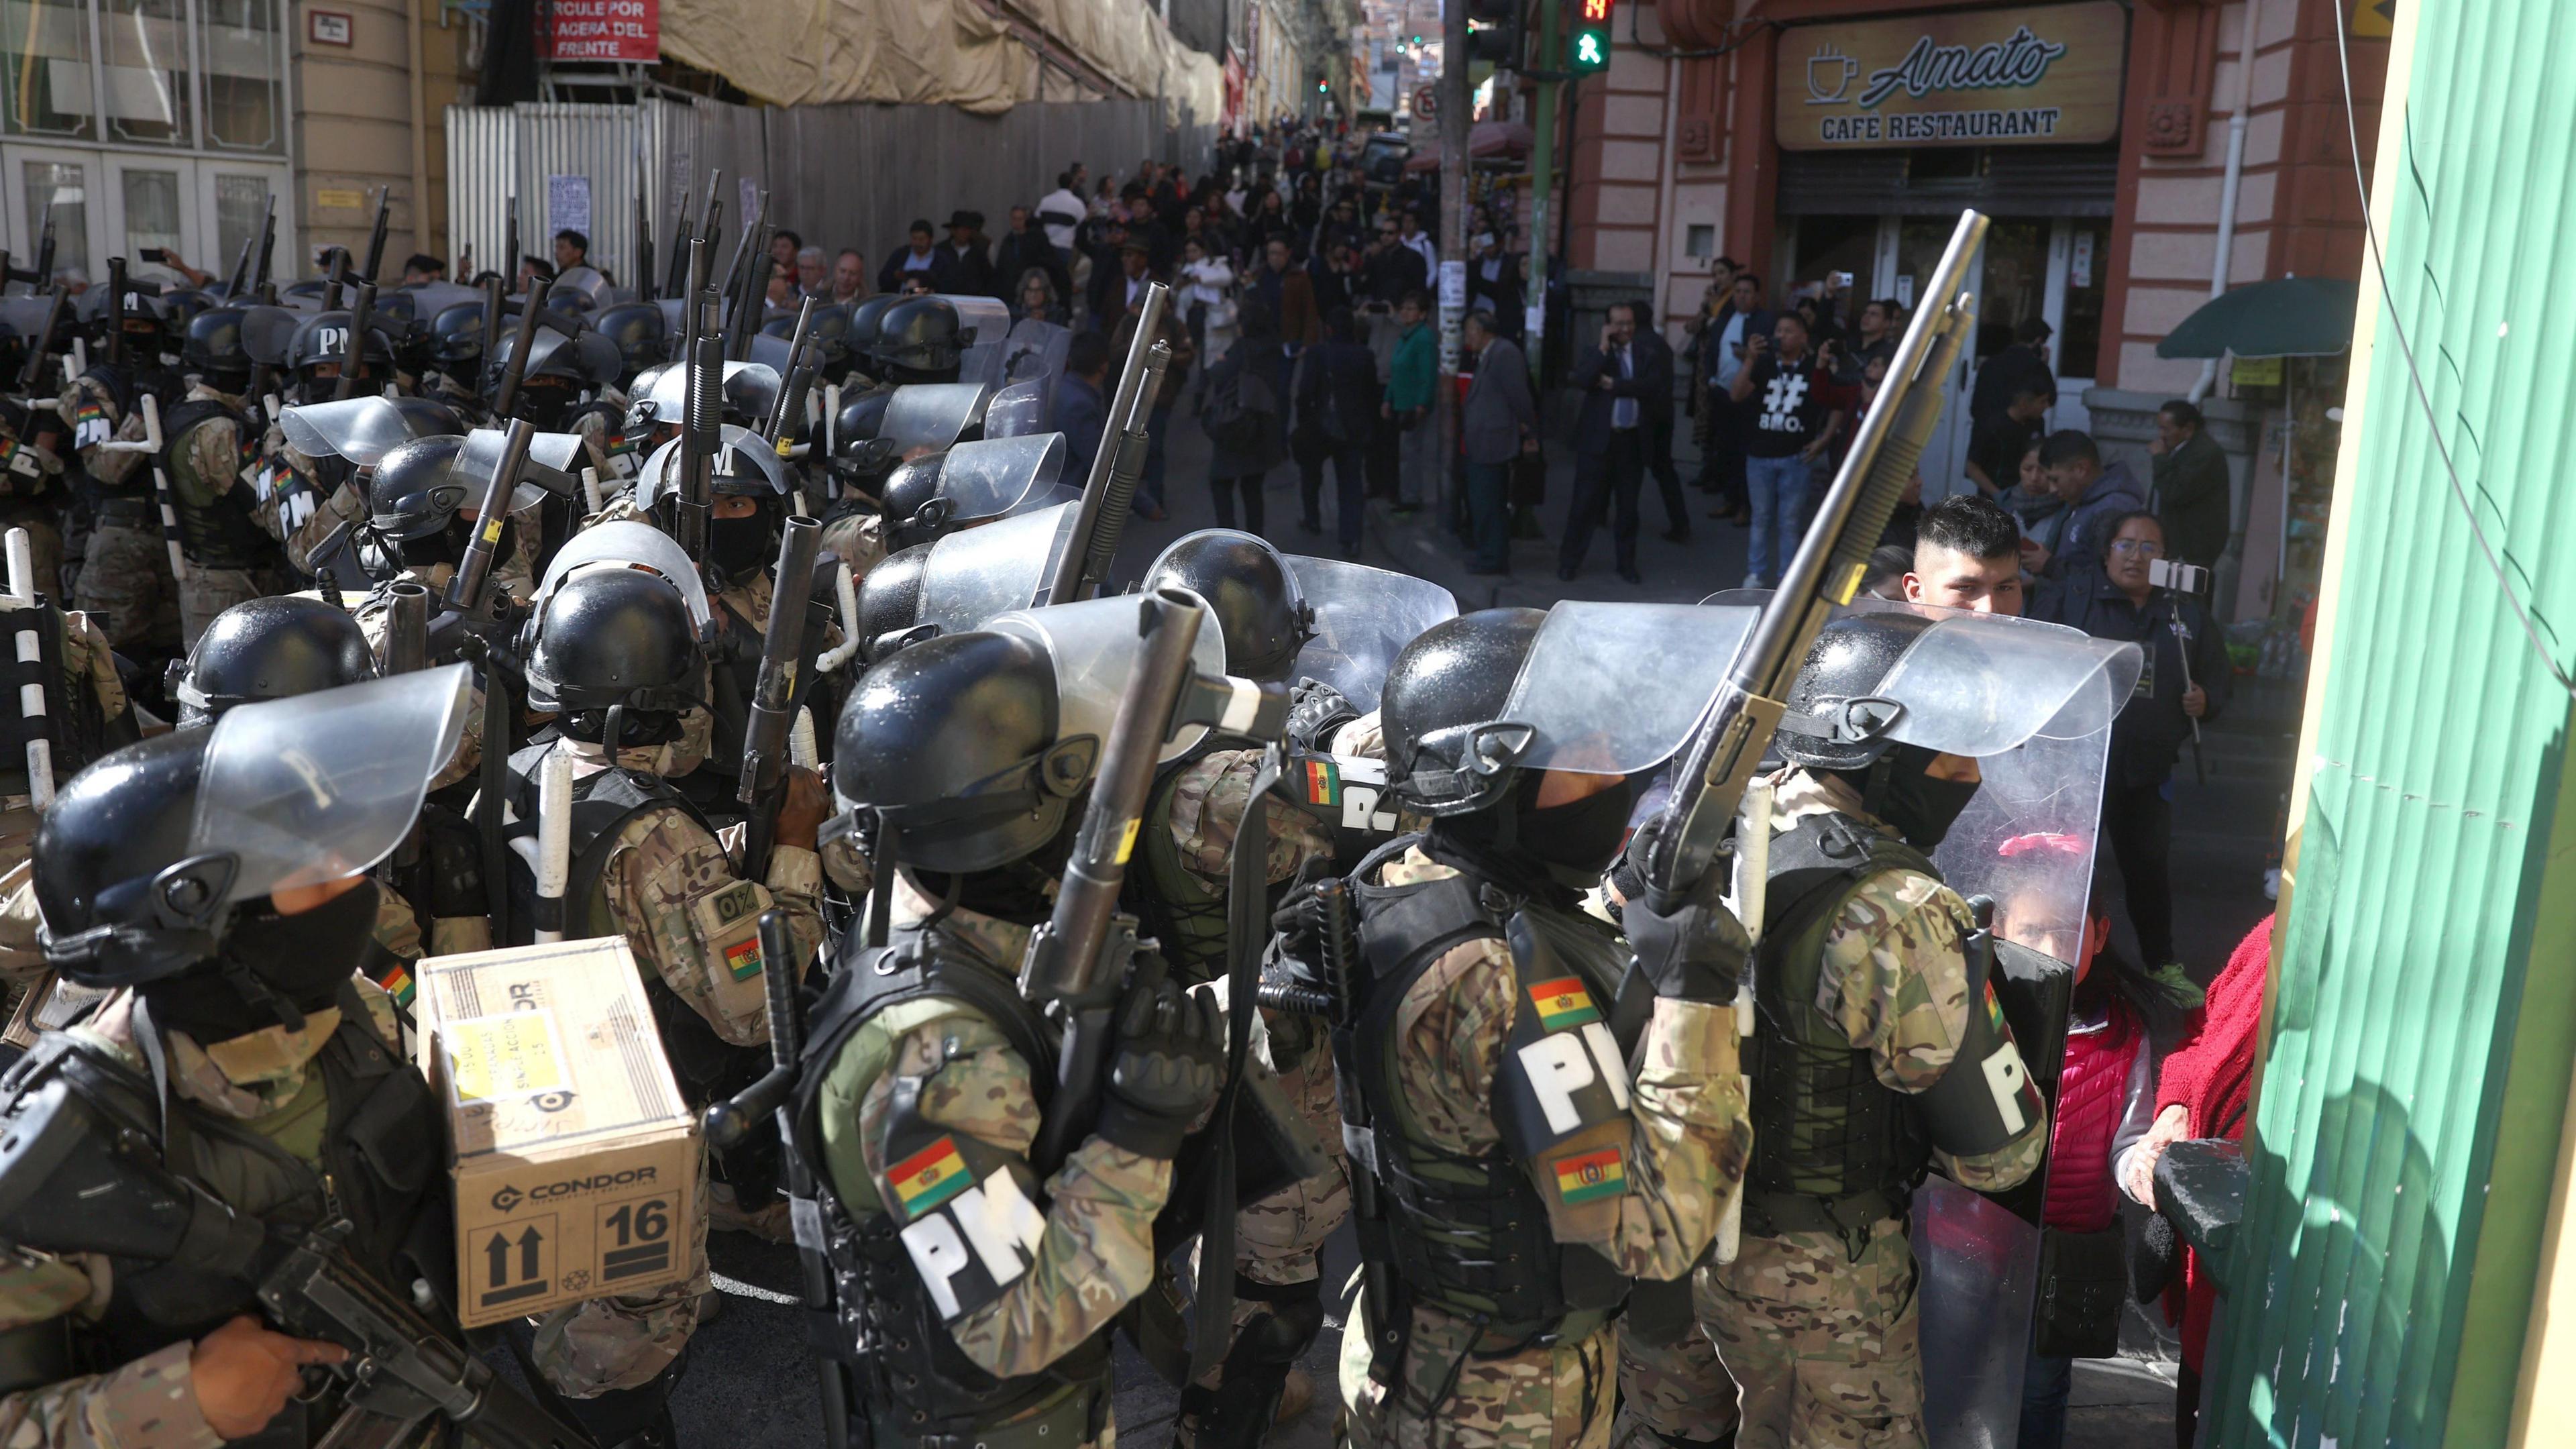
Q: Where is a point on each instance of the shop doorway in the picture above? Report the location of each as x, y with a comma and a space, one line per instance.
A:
2051, 267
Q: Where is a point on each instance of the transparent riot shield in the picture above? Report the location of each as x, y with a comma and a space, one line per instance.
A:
1363, 617
997, 478
933, 415
2028, 840
431, 298
744, 456
976, 573
1613, 689
1036, 350
749, 389
305, 790
553, 461
628, 544
360, 429
1094, 645
1019, 410
984, 329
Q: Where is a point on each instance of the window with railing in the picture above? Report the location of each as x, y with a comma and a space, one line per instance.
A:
193, 74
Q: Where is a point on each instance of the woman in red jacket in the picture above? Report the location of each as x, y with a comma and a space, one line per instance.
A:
2122, 1021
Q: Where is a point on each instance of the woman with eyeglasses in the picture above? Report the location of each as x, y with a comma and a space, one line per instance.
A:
2184, 683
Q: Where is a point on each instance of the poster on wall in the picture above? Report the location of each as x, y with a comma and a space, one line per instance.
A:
568, 204
2044, 75
610, 30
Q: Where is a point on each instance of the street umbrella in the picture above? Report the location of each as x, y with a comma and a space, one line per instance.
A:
2289, 317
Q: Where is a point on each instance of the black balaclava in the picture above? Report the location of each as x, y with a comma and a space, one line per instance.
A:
271, 970
1556, 853
1896, 790
738, 548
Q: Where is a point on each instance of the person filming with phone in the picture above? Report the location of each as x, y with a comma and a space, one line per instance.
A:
2137, 595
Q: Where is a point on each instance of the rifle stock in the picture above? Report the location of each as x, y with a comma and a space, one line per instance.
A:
792, 388
1710, 778
1066, 956
507, 397
773, 695
1085, 560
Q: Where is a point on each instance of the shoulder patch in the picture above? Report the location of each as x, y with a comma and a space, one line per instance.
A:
737, 902
1563, 1004
928, 1178
1582, 1177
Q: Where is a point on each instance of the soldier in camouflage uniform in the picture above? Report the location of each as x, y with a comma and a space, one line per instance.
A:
124, 581
1519, 1180
229, 532
1875, 1056
925, 1072
615, 659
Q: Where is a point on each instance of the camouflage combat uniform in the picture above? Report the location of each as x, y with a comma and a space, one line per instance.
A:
1823, 1342
1682, 1159
959, 1070
124, 581
210, 474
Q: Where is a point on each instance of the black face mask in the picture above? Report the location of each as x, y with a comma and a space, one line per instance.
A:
737, 547
270, 969
1577, 842
1921, 808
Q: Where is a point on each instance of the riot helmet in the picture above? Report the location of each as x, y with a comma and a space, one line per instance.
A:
1448, 749
1255, 596
918, 340
416, 503
637, 329
213, 349
456, 339
952, 743
234, 848
861, 459
1837, 719
889, 598
269, 648
914, 511
319, 349
180, 305
614, 651
867, 327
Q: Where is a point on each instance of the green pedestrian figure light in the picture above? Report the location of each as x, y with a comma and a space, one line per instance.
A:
1591, 41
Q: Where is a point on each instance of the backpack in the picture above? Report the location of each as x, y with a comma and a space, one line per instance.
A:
1239, 409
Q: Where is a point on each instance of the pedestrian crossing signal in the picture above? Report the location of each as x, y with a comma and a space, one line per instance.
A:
1591, 44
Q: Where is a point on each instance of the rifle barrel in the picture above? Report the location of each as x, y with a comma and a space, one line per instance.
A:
1065, 587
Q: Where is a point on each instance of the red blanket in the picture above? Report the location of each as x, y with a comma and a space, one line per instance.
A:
2210, 1075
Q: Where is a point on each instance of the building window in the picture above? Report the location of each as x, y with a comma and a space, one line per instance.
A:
143, 85
148, 72
45, 67
245, 67
57, 197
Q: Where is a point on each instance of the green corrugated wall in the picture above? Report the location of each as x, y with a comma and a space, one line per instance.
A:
2425, 988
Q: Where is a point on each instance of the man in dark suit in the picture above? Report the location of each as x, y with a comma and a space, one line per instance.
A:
923, 257
1025, 246
1494, 282
1619, 380
1498, 423
970, 257
1655, 356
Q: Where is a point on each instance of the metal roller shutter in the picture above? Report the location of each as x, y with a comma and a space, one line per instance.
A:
2004, 180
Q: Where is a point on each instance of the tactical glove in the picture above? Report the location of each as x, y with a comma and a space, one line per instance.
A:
1170, 1063
1689, 944
1315, 710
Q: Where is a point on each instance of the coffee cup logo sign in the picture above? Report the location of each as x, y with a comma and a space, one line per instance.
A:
2046, 75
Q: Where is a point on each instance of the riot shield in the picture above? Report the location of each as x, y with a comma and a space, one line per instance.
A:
583, 287
749, 390
932, 415
984, 335
976, 573
360, 429
1614, 689
1363, 617
744, 456
2028, 840
1094, 646
627, 544
1036, 350
305, 790
550, 468
431, 298
1018, 410
1002, 477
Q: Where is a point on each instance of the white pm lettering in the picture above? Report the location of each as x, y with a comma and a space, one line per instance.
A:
1359, 809
1564, 1063
1002, 1224
939, 1255
2004, 1077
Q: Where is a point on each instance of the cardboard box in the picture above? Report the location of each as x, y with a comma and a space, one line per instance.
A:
576, 1159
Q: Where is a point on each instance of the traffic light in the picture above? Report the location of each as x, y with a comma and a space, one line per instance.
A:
1589, 48
1494, 32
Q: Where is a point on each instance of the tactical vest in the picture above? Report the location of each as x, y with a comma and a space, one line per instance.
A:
215, 526
379, 1169
1469, 1235
603, 804
1185, 914
885, 1330
1834, 1149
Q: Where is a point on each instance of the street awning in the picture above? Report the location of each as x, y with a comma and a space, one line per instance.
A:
1486, 141
2288, 317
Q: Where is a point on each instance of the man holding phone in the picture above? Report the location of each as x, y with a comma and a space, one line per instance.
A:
1790, 421
1741, 317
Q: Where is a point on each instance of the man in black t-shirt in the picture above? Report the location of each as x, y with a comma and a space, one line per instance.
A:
1789, 421
1997, 443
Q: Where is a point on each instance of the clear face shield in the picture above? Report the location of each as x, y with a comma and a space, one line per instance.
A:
1363, 617
1095, 648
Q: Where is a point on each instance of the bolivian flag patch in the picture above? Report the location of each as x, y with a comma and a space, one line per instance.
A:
397, 983
742, 958
1563, 1003
930, 1177
1323, 783
1592, 1175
